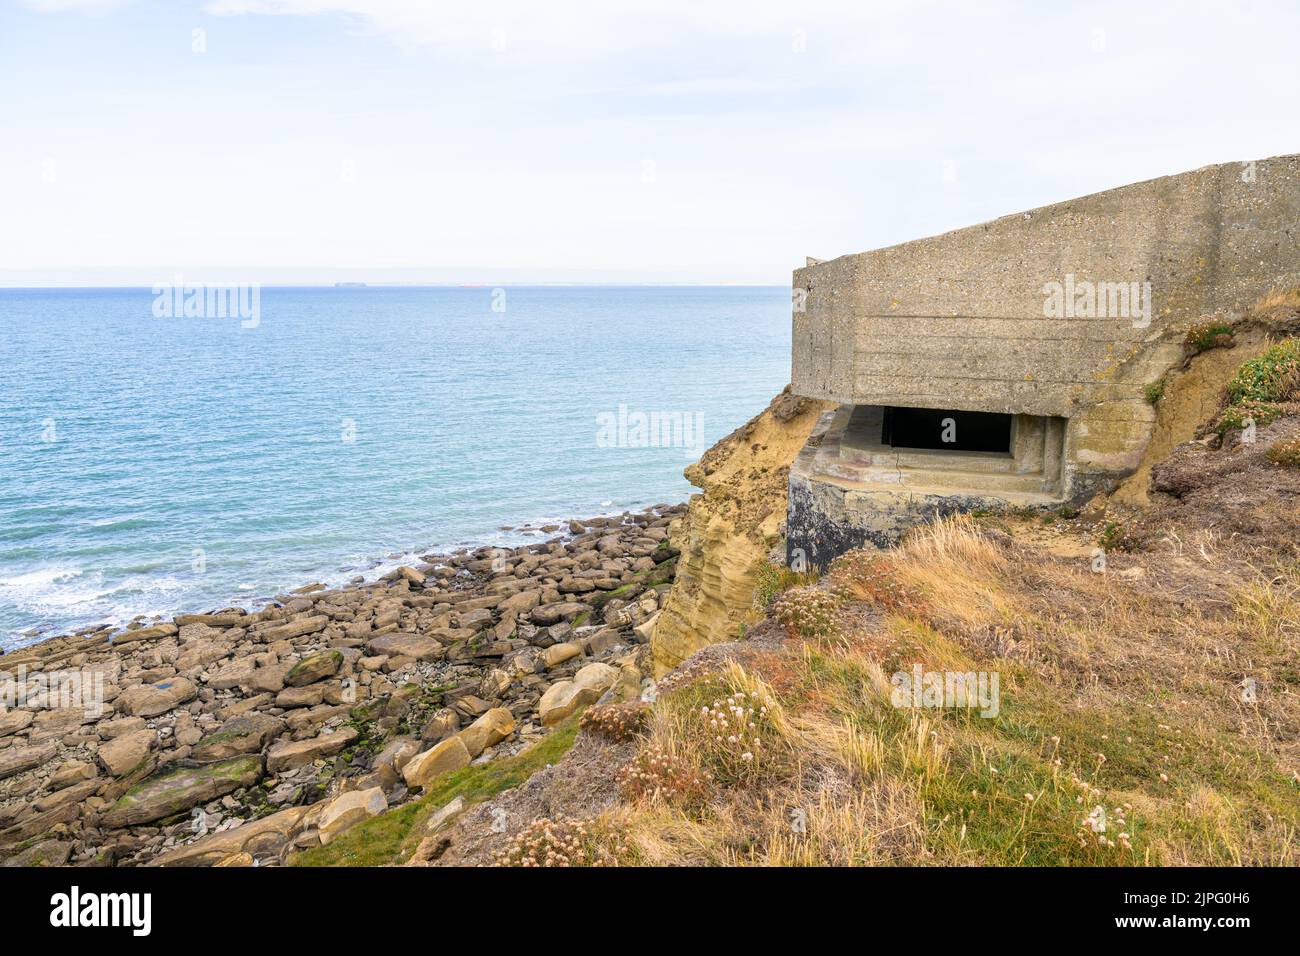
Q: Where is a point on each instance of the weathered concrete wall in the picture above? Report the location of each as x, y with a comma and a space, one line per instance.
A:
958, 320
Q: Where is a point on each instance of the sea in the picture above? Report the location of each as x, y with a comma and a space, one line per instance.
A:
163, 453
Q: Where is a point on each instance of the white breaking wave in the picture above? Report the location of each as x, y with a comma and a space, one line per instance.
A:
52, 591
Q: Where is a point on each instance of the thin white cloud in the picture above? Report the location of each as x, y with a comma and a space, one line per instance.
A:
74, 6
571, 30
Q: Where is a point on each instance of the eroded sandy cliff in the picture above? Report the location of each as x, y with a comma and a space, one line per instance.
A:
730, 527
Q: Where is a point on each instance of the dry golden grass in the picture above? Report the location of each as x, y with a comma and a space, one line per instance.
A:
875, 826
958, 569
1269, 607
1120, 702
1278, 296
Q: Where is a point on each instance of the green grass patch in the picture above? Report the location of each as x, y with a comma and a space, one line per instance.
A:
1017, 789
1115, 537
774, 580
1259, 385
392, 837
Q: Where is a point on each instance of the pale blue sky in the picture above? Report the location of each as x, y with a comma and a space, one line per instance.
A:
387, 140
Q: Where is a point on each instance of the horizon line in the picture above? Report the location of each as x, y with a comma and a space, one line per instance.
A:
354, 285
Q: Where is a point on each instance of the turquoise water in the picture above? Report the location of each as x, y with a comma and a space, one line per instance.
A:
159, 465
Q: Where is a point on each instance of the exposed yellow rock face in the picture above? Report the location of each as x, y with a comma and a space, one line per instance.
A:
730, 527
1192, 396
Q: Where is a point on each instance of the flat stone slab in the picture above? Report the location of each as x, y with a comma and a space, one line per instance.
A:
150, 700
314, 668
407, 645
245, 734
298, 628
262, 837
175, 791
123, 754
17, 759
12, 721
293, 754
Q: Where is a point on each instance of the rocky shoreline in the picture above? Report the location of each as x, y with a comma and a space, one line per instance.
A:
237, 737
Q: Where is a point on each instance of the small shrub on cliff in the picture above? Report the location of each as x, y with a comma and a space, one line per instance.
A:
728, 727
566, 842
1155, 391
1208, 335
1115, 536
809, 611
773, 580
1271, 377
656, 774
1259, 385
1235, 417
868, 576
618, 722
740, 735
1285, 453
733, 732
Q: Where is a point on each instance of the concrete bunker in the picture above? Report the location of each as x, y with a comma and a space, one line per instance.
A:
1000, 366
